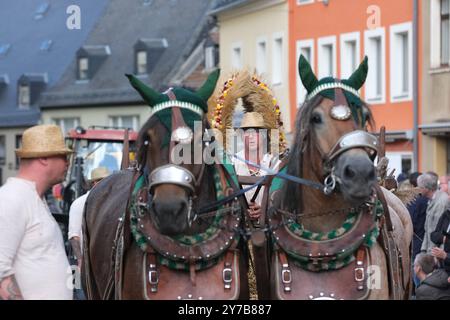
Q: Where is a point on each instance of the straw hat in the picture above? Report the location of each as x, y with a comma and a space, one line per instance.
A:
252, 120
99, 173
42, 141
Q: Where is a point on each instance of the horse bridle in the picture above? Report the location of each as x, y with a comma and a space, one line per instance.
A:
172, 173
351, 140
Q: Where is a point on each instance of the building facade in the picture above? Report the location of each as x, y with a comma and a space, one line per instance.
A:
335, 35
254, 35
435, 86
36, 45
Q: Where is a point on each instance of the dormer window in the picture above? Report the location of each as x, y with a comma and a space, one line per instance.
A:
83, 68
210, 62
147, 53
141, 62
24, 96
90, 59
29, 88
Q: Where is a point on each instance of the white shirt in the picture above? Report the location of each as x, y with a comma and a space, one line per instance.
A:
31, 244
241, 168
76, 217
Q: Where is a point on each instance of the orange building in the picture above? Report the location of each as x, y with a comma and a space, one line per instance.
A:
336, 34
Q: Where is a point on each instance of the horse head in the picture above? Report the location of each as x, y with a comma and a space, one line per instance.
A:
166, 146
333, 133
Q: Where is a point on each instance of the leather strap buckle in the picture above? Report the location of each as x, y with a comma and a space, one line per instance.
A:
227, 276
359, 274
153, 277
286, 277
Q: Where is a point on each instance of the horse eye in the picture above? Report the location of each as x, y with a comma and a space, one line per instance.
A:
316, 118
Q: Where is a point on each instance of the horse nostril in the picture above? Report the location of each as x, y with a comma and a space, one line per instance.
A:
182, 208
349, 172
371, 175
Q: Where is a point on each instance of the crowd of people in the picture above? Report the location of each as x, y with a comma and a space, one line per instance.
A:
430, 215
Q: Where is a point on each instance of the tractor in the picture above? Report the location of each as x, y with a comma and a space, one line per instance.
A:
93, 147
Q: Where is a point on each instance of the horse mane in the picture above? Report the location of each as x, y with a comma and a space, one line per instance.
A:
303, 139
142, 138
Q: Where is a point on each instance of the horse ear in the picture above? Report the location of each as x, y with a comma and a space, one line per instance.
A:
148, 94
358, 77
208, 87
307, 76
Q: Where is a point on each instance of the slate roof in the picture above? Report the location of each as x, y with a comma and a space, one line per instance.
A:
170, 29
36, 43
225, 5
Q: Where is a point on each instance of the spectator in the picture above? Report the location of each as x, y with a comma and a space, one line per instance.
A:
434, 283
402, 177
438, 203
441, 236
418, 212
413, 178
444, 182
33, 261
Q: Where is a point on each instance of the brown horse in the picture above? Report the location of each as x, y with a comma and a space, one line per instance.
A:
341, 243
143, 238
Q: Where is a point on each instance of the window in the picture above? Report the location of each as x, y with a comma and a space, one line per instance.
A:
24, 96
350, 53
327, 57
130, 122
2, 150
400, 161
141, 62
277, 62
83, 68
445, 32
439, 33
41, 10
306, 48
261, 56
4, 48
300, 2
448, 155
210, 60
18, 145
67, 124
46, 45
376, 79
401, 62
236, 57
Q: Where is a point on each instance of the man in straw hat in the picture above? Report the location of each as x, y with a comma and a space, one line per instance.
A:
75, 235
255, 143
33, 262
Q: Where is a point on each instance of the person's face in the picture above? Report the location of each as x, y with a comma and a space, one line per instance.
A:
57, 168
443, 184
251, 137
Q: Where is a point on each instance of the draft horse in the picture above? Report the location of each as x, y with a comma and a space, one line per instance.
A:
143, 237
345, 238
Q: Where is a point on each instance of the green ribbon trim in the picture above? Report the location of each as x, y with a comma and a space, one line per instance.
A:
187, 240
342, 259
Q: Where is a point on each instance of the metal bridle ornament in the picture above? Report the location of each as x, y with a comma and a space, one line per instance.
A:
341, 112
182, 135
351, 140
172, 174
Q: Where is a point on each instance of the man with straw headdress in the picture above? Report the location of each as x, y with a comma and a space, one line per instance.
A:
260, 120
